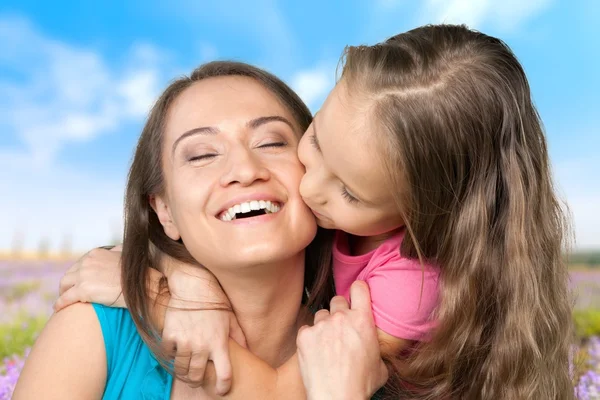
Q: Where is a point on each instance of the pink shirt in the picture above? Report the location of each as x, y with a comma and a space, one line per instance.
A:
395, 283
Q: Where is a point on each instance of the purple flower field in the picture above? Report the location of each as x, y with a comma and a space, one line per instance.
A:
29, 288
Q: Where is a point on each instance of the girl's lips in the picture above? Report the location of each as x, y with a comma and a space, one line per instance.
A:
319, 215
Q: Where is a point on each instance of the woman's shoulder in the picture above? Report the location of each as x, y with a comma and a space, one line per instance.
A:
116, 321
119, 332
133, 371
67, 359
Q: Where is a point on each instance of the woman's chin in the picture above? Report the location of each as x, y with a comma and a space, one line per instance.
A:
232, 245
252, 251
260, 253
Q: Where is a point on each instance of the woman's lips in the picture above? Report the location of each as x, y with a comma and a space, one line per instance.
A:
246, 210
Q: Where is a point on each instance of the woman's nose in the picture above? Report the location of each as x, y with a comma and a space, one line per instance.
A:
244, 168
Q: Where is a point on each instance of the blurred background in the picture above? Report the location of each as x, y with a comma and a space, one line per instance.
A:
78, 78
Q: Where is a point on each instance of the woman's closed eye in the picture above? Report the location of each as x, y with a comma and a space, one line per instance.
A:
202, 157
272, 145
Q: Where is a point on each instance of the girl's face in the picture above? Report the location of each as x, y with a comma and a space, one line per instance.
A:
346, 185
232, 175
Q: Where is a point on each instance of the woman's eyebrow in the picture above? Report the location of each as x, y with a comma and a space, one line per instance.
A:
203, 130
256, 122
211, 130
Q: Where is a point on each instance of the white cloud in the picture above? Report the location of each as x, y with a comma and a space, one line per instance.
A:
58, 93
575, 181
53, 94
207, 51
53, 204
313, 84
586, 219
262, 20
505, 15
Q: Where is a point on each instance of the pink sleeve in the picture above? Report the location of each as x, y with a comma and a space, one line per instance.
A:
399, 307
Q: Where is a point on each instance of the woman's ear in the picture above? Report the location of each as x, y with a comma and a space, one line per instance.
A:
162, 210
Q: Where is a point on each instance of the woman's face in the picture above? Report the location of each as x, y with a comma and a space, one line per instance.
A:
232, 175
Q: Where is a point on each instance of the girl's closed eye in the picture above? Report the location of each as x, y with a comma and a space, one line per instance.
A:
314, 142
348, 196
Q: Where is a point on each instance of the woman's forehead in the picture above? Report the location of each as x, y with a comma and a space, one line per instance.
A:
213, 101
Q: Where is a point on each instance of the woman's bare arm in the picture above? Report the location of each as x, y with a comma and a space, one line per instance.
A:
68, 360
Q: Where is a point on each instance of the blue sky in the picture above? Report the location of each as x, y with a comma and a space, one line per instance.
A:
77, 79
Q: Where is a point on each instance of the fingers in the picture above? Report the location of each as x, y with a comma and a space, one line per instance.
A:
338, 304
168, 346
67, 282
299, 334
223, 369
197, 366
181, 365
75, 266
67, 298
360, 297
384, 373
321, 315
236, 332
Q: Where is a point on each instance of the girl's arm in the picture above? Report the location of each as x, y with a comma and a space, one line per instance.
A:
255, 379
193, 316
339, 356
68, 359
251, 377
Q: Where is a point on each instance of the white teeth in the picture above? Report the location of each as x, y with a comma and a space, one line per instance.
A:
226, 216
246, 207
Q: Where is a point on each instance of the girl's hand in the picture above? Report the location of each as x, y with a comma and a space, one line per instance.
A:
95, 277
339, 355
198, 325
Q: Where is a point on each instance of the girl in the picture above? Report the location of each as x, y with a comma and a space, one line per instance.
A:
429, 159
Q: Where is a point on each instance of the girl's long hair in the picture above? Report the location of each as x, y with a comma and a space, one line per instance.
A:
466, 152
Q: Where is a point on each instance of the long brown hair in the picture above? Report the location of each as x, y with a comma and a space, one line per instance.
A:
464, 145
144, 239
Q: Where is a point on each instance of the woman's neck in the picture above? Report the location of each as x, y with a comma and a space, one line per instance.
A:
267, 300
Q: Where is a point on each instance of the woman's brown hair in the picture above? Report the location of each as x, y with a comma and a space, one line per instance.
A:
144, 240
464, 146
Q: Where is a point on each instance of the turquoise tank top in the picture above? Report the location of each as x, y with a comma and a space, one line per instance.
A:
133, 372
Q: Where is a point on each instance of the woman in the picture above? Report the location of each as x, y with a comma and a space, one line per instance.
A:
226, 135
